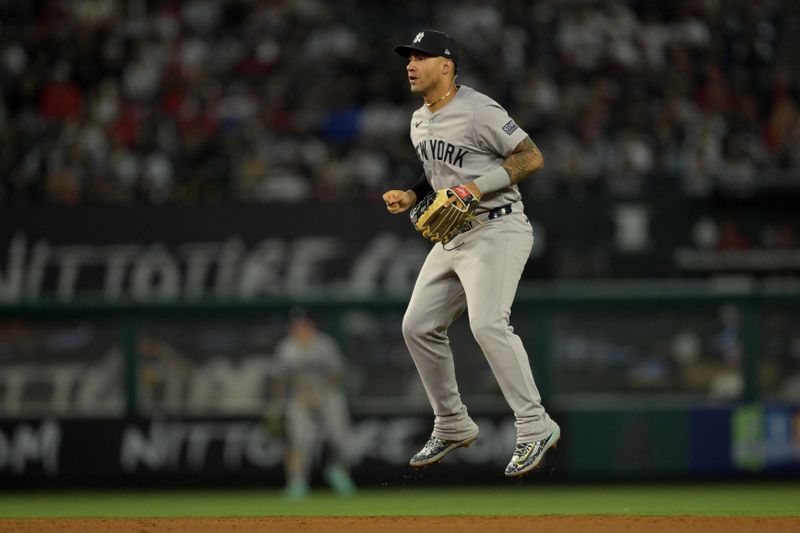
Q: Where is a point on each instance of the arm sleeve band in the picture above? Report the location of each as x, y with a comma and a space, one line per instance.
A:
494, 180
421, 187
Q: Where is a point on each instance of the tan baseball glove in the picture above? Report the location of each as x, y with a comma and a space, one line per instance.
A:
441, 214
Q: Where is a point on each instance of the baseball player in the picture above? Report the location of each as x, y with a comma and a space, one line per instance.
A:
312, 369
467, 141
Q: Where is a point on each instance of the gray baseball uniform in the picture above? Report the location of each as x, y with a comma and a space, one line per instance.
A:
316, 406
478, 270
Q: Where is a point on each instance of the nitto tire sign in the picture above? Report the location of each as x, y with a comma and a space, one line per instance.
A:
147, 255
191, 446
155, 452
173, 446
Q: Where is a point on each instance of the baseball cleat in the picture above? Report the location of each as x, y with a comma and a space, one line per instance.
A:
296, 490
527, 456
341, 482
435, 450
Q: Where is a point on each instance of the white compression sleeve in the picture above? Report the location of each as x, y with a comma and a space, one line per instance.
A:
494, 180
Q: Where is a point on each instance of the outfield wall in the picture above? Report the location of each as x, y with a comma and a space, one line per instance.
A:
745, 442
648, 382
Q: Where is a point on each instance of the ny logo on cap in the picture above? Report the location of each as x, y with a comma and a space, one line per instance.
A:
447, 51
419, 37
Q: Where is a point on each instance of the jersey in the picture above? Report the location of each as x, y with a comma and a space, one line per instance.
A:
468, 137
311, 369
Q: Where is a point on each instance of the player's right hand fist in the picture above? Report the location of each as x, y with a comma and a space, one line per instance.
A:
398, 201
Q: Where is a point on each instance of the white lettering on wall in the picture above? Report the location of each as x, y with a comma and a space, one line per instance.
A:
227, 269
166, 446
27, 445
173, 445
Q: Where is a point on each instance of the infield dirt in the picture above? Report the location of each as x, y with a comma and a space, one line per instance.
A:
392, 524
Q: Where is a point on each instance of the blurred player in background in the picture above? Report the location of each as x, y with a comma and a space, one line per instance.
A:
315, 406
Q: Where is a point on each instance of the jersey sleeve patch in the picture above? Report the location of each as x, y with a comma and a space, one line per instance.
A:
510, 127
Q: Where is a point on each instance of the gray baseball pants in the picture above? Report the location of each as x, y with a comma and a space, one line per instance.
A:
479, 271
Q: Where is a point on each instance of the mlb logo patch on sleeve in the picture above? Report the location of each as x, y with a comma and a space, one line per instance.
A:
510, 127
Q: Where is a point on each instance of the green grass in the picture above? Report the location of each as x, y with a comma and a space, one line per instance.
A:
630, 500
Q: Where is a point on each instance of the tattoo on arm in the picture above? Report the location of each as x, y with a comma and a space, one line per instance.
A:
523, 161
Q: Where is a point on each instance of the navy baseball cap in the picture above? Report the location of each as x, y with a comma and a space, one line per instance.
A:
431, 42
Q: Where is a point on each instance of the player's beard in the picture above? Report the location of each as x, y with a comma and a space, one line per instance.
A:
423, 83
417, 87
427, 88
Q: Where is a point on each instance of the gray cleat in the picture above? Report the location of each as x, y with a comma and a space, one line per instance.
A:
435, 450
529, 455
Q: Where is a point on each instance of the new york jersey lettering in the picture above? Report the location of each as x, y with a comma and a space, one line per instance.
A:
439, 150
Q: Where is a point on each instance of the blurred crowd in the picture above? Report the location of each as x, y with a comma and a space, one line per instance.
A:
156, 101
